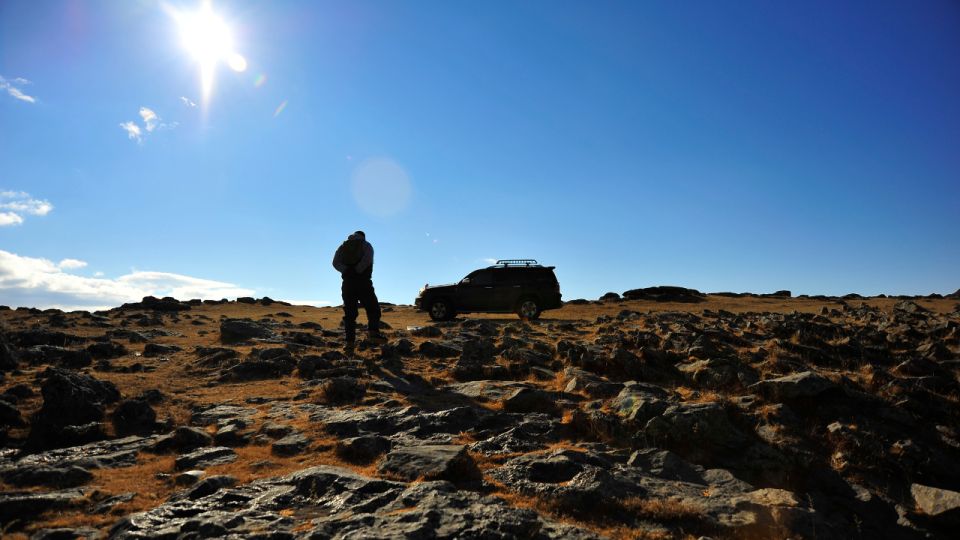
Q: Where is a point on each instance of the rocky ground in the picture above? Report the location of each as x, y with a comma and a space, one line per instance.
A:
662, 413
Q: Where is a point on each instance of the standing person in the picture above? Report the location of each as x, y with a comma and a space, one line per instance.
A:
354, 261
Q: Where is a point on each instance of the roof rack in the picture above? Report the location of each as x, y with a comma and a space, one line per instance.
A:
517, 262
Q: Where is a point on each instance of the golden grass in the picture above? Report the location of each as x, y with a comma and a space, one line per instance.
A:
185, 388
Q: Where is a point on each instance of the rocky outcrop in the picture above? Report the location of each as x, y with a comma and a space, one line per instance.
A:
70, 400
338, 503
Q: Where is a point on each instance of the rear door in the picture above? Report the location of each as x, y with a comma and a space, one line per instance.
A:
508, 285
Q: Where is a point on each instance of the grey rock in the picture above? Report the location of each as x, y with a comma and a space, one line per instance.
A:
210, 485
719, 373
10, 415
804, 385
223, 414
700, 431
430, 462
940, 506
182, 439
236, 330
231, 435
64, 533
24, 505
638, 402
134, 416
205, 457
339, 503
594, 386
529, 400
69, 399
41, 475
290, 445
362, 449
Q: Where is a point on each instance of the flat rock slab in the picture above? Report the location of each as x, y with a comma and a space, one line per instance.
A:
19, 505
290, 445
99, 455
430, 462
331, 502
206, 457
935, 501
487, 390
222, 414
804, 385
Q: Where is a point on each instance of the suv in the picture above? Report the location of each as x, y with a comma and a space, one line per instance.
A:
521, 286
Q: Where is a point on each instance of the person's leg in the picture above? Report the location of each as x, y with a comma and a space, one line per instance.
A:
372, 306
349, 294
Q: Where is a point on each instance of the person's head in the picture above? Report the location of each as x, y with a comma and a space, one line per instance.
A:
359, 234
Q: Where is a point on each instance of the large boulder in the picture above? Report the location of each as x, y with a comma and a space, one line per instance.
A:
153, 303
8, 353
69, 399
134, 416
236, 330
798, 386
430, 462
666, 293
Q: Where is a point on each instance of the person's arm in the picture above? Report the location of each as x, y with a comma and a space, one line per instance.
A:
367, 258
338, 264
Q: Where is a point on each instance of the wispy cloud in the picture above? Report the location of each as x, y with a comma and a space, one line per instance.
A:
12, 89
15, 204
42, 283
133, 131
150, 118
151, 122
186, 101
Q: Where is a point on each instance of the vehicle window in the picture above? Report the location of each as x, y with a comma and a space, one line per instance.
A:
507, 277
480, 278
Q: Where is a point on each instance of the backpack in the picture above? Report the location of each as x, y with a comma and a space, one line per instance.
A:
351, 251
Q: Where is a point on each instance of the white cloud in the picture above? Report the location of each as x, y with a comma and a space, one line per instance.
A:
186, 101
133, 131
71, 264
41, 283
14, 91
151, 122
150, 118
14, 204
98, 274
9, 218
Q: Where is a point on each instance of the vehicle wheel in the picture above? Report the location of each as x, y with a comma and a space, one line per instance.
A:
528, 309
441, 310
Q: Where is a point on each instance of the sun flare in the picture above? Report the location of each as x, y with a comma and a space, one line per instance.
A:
209, 41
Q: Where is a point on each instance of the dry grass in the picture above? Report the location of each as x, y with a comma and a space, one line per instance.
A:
177, 377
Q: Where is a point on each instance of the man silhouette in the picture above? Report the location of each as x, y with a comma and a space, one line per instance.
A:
354, 261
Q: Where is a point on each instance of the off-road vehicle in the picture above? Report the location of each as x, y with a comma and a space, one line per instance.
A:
520, 286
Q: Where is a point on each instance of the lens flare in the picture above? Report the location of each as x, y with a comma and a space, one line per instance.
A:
280, 108
381, 187
237, 62
260, 80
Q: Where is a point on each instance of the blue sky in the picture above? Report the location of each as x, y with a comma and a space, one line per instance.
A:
738, 146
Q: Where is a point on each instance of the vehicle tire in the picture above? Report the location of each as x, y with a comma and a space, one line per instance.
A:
528, 308
441, 310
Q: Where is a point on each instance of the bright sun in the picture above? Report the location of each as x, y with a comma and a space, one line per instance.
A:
209, 41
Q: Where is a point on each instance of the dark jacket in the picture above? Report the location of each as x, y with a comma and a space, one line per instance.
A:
363, 269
